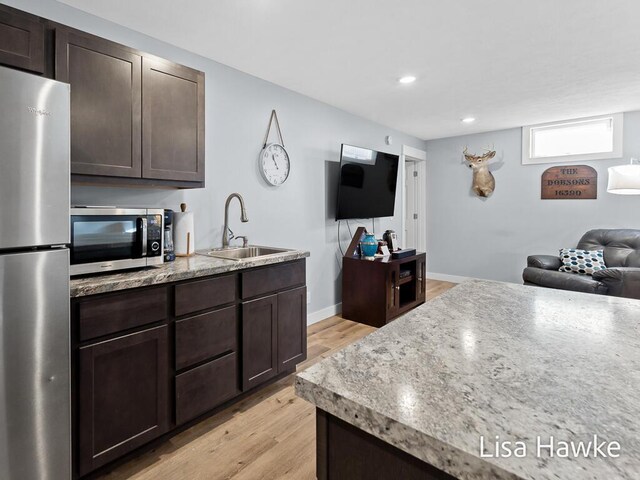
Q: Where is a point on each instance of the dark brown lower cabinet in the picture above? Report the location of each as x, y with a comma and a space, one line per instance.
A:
122, 395
149, 360
292, 332
274, 335
259, 341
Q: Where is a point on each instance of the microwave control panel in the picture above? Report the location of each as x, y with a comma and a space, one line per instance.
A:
154, 235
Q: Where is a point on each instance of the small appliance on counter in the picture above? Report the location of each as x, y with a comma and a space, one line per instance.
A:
392, 240
183, 232
169, 253
109, 238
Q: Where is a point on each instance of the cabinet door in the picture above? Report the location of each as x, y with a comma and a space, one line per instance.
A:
259, 341
122, 395
421, 280
21, 40
172, 121
393, 291
106, 98
292, 328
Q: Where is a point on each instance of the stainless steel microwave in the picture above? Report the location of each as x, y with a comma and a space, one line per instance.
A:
105, 239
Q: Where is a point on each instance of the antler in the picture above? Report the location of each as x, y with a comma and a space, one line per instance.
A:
489, 154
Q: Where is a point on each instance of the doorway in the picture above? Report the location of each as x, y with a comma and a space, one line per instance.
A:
414, 225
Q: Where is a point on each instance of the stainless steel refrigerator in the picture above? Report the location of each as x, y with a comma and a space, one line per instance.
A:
35, 426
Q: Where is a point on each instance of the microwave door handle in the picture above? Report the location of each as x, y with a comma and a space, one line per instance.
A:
143, 236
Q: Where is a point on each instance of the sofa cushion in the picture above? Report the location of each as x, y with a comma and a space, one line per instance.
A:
582, 262
621, 246
563, 281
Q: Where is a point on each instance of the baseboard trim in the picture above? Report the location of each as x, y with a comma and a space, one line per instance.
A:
324, 313
447, 278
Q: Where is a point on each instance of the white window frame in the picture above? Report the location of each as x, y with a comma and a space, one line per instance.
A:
617, 119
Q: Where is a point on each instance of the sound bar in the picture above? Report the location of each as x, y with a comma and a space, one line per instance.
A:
407, 252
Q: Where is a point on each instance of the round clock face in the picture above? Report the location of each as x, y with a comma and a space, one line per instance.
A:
274, 164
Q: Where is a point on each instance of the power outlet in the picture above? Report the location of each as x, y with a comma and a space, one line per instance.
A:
308, 297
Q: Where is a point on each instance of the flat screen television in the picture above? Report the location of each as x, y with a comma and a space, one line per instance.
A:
367, 185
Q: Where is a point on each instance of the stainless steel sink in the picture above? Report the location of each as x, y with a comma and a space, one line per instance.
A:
242, 253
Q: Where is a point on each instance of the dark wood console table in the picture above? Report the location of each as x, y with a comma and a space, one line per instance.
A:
377, 290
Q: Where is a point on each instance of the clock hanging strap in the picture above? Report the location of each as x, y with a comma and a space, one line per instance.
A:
266, 137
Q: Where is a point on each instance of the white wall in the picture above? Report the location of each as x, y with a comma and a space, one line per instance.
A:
300, 213
491, 238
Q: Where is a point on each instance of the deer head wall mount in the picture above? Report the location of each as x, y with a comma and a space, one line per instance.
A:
483, 181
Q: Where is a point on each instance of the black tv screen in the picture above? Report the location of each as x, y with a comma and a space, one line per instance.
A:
367, 185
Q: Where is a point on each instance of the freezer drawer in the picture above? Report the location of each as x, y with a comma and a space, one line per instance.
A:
34, 161
35, 429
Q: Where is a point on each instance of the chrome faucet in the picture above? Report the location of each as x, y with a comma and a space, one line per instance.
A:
243, 219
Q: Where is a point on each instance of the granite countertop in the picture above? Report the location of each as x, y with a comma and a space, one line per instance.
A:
494, 359
182, 268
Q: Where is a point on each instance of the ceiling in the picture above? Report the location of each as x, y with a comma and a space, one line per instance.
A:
507, 63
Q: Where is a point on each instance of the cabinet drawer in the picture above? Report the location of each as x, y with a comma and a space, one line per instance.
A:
121, 311
203, 294
206, 387
271, 279
206, 336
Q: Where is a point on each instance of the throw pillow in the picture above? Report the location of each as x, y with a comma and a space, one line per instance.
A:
582, 262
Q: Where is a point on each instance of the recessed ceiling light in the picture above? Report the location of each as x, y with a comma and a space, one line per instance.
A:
468, 120
407, 79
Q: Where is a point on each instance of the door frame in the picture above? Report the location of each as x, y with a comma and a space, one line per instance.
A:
419, 157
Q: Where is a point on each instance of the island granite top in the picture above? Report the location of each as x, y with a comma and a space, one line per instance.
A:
489, 359
182, 268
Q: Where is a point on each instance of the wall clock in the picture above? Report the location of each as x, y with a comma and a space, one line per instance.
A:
274, 162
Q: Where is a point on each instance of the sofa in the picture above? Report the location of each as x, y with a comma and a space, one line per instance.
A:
621, 278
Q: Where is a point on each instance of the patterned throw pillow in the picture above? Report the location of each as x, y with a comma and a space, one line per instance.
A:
582, 262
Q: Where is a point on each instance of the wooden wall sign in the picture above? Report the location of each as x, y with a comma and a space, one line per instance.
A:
576, 182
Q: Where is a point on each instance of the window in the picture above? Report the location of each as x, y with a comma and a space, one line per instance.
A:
358, 154
582, 139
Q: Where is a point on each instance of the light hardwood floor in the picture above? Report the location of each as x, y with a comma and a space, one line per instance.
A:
268, 435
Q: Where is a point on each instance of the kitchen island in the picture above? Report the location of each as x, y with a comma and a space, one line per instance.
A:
439, 392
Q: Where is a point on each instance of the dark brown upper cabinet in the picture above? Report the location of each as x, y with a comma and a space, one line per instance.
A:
172, 121
22, 40
106, 95
135, 118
